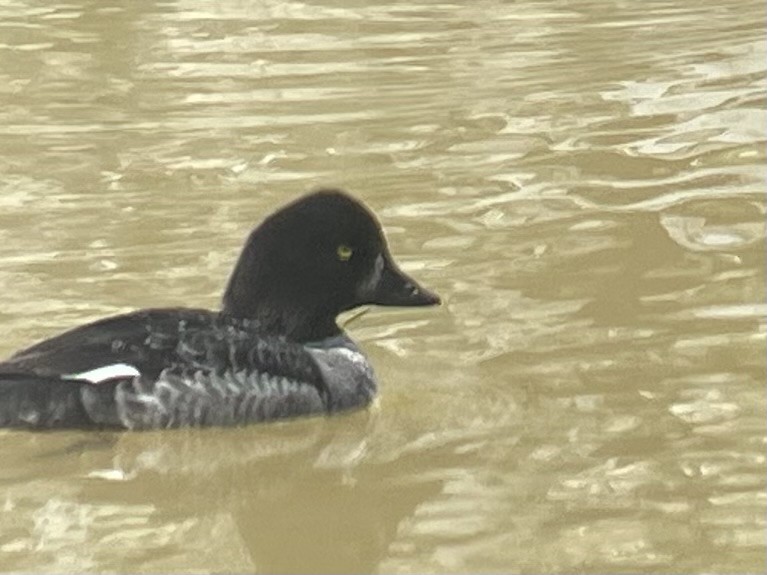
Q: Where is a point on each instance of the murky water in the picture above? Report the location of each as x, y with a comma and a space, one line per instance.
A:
582, 181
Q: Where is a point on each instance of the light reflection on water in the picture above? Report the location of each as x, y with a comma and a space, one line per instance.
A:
584, 185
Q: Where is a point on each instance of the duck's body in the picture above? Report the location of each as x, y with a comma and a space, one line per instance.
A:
274, 351
163, 368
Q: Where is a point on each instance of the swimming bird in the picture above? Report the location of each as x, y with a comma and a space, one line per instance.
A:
273, 350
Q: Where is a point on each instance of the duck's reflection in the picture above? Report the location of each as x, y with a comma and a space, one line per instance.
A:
305, 496
324, 524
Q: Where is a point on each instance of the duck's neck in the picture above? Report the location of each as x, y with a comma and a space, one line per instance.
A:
291, 323
284, 314
258, 291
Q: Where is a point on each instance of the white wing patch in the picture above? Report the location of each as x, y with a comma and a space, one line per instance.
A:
105, 373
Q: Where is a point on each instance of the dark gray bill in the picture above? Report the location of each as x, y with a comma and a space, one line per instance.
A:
392, 287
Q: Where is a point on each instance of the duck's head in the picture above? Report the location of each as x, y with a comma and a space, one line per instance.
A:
316, 257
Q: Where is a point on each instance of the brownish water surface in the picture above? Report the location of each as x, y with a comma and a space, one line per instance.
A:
584, 183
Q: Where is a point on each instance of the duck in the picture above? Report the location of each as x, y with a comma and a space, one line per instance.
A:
274, 349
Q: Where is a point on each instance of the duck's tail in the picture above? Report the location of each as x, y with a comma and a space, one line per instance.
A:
38, 402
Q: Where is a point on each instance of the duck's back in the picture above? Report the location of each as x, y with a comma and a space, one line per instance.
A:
142, 339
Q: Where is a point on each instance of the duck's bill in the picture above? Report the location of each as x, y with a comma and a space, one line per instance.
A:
393, 287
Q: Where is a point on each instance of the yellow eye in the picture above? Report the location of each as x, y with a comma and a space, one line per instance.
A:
344, 252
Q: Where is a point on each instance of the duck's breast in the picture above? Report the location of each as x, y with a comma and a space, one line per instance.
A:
347, 373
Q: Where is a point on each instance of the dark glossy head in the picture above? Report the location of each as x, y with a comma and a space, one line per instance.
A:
313, 259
